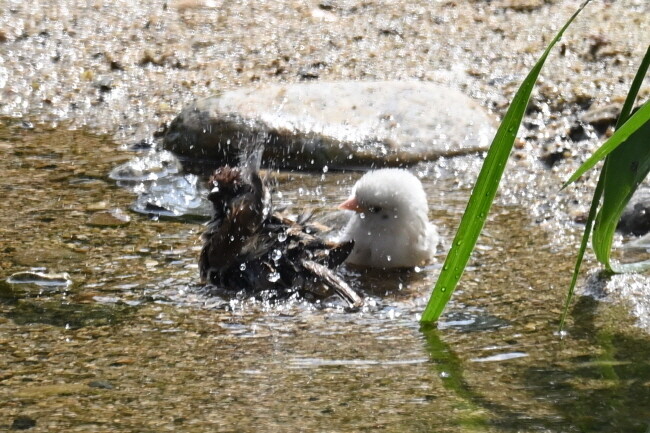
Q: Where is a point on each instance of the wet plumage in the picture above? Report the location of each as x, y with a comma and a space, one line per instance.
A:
249, 247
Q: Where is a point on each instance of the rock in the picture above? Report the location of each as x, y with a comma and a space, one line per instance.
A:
33, 284
602, 117
23, 422
40, 279
635, 218
336, 124
111, 218
100, 205
100, 384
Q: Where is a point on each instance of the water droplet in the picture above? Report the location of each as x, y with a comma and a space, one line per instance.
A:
417, 269
443, 289
444, 268
325, 169
459, 243
445, 375
389, 258
282, 236
273, 277
242, 267
276, 254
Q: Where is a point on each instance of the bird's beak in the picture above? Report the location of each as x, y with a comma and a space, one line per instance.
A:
351, 204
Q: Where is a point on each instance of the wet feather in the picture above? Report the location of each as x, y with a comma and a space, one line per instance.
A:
249, 247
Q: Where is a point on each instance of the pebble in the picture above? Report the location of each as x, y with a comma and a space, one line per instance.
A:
602, 117
100, 384
23, 422
100, 205
40, 279
336, 124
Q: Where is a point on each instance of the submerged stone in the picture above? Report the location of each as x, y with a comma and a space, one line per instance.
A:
40, 279
29, 284
23, 422
100, 384
336, 124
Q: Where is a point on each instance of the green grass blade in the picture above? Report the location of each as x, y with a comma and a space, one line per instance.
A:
485, 189
595, 201
625, 169
628, 128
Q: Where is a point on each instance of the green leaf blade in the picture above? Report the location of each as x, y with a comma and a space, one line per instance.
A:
625, 169
485, 189
595, 201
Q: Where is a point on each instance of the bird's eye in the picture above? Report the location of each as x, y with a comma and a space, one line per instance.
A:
374, 209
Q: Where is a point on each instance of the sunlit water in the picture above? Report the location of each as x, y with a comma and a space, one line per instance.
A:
133, 344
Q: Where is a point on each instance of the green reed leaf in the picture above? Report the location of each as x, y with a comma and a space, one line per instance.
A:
485, 189
595, 201
625, 169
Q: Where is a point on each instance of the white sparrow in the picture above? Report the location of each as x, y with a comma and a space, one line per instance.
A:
390, 226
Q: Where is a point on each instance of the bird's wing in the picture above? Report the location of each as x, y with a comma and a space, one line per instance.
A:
334, 282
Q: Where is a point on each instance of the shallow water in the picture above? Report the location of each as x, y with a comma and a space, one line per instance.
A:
132, 344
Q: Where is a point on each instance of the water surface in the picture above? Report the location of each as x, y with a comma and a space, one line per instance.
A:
132, 344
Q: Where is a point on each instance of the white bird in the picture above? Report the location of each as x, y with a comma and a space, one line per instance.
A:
390, 227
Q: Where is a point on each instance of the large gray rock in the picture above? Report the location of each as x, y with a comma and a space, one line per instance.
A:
335, 124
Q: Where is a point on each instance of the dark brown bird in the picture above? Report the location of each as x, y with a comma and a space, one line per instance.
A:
248, 247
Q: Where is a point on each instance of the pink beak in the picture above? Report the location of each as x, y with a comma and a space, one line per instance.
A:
351, 204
